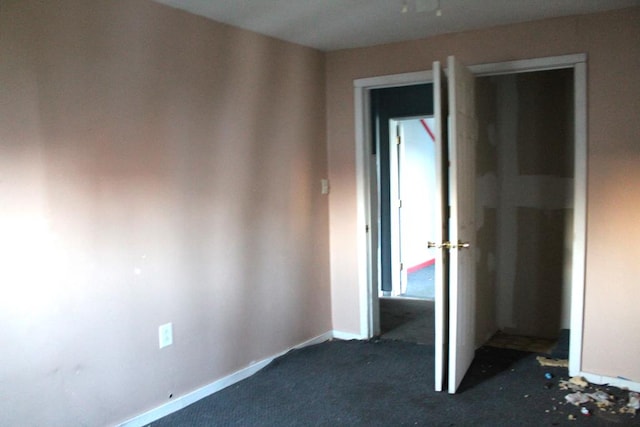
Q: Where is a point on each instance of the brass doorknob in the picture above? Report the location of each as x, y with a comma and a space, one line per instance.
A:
445, 245
449, 245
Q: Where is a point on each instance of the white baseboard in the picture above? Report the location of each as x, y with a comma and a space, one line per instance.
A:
317, 340
339, 335
209, 389
617, 382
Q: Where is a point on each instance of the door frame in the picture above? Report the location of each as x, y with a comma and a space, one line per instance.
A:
395, 162
368, 241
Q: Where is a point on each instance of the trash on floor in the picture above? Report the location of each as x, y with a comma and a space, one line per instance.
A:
579, 381
584, 399
577, 398
546, 361
568, 385
634, 400
612, 400
601, 398
633, 405
627, 410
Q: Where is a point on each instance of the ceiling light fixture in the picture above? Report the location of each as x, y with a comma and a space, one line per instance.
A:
421, 6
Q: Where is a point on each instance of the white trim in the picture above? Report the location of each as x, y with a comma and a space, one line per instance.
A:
395, 80
346, 336
363, 214
394, 196
528, 65
367, 254
186, 400
367, 250
622, 383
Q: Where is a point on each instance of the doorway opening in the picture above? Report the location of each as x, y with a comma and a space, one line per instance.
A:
401, 118
524, 210
567, 220
407, 310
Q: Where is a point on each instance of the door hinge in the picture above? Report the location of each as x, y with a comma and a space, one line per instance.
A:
401, 266
399, 203
398, 140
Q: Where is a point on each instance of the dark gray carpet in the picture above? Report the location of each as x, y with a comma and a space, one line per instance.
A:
389, 383
407, 320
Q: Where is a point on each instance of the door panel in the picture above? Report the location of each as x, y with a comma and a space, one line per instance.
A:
463, 135
441, 230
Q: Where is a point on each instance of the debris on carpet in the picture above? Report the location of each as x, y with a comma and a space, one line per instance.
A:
577, 398
558, 363
598, 400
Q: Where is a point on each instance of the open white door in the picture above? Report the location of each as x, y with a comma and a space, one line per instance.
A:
441, 255
462, 141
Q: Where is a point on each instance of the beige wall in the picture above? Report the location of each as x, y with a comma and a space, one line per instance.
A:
154, 167
611, 342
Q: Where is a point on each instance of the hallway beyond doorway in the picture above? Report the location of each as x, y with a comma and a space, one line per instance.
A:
420, 283
409, 320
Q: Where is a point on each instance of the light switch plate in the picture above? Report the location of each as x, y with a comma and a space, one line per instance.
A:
324, 183
165, 335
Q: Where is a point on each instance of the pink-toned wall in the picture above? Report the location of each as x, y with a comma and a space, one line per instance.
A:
611, 341
154, 167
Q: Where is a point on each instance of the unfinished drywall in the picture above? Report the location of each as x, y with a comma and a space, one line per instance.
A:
609, 40
534, 122
525, 166
486, 210
154, 167
540, 260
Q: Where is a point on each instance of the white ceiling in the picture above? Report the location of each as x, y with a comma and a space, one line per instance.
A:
340, 24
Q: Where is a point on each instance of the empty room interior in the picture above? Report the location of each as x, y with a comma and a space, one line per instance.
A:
189, 191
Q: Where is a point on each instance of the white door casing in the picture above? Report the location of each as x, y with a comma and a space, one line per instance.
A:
396, 159
402, 212
367, 203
